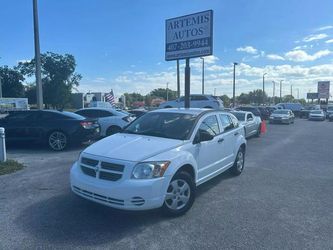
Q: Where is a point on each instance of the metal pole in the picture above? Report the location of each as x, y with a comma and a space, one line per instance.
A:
291, 90
187, 82
234, 86
39, 87
178, 80
3, 155
214, 91
167, 91
281, 90
273, 92
203, 75
263, 88
0, 87
298, 93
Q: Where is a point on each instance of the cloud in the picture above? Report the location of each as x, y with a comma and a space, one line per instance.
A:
275, 57
328, 27
247, 49
329, 41
300, 47
302, 56
314, 37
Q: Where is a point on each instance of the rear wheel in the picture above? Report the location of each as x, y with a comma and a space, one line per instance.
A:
180, 195
238, 166
113, 130
168, 107
57, 141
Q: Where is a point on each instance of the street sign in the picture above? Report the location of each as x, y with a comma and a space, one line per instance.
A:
189, 36
324, 89
312, 96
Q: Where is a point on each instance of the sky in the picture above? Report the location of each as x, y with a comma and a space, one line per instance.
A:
120, 45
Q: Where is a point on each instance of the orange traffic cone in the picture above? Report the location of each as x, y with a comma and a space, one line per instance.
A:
263, 128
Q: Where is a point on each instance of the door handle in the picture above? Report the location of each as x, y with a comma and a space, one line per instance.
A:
220, 140
236, 133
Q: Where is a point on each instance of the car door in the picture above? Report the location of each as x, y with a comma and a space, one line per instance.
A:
250, 124
209, 154
230, 134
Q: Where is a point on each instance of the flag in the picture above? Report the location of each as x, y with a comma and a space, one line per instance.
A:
109, 97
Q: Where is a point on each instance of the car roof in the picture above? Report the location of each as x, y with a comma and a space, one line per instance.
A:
239, 112
191, 111
99, 108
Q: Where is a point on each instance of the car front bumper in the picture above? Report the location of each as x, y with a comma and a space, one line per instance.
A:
125, 194
317, 118
279, 120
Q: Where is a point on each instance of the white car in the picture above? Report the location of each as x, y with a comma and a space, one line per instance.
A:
317, 115
110, 120
251, 123
196, 101
159, 159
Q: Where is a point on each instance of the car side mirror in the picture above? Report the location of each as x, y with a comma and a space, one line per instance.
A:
202, 136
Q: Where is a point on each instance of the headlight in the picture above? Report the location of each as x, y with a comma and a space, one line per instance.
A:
149, 170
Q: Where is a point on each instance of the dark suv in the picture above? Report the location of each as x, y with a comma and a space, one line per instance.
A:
55, 128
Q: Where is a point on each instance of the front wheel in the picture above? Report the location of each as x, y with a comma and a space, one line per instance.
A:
57, 140
180, 195
238, 166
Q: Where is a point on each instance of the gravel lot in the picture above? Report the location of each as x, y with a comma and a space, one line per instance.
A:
283, 200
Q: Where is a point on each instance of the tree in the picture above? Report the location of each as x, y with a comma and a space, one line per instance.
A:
162, 93
30, 93
11, 80
58, 77
226, 100
133, 97
243, 98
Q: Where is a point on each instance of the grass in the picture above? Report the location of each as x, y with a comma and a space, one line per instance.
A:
10, 166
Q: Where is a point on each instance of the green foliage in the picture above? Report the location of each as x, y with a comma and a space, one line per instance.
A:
58, 77
133, 97
10, 166
11, 80
226, 100
162, 93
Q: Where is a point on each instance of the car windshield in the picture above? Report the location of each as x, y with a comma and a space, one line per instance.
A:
316, 112
330, 108
281, 112
162, 124
239, 116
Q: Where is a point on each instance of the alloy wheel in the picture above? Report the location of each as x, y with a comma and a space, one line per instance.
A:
178, 194
57, 140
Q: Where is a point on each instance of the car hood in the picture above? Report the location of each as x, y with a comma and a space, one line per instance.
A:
316, 114
131, 147
279, 115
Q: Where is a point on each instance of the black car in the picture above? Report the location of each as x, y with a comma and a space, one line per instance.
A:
265, 113
137, 112
304, 113
57, 129
254, 110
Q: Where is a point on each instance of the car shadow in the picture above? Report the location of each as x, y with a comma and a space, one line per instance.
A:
68, 218
71, 219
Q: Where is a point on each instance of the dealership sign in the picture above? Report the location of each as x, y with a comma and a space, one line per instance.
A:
324, 89
189, 36
312, 96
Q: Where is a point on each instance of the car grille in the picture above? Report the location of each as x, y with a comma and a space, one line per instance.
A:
101, 169
98, 197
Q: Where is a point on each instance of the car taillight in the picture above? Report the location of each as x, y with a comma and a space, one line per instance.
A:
86, 125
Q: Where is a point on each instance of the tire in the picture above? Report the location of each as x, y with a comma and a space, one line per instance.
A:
173, 204
238, 166
113, 130
168, 107
57, 140
208, 107
258, 131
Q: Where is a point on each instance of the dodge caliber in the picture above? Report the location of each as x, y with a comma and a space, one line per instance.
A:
159, 160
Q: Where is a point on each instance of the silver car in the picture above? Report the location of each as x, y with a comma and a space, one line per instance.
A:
285, 116
196, 101
251, 123
317, 115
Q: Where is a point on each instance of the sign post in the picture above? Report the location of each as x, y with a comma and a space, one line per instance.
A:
188, 37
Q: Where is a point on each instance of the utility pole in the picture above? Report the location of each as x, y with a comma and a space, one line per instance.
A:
203, 75
273, 92
0, 87
298, 93
281, 90
263, 88
234, 86
214, 91
178, 80
39, 87
187, 82
167, 91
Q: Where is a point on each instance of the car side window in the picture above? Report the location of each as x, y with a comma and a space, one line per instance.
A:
91, 113
249, 116
234, 120
226, 122
210, 125
198, 98
104, 113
